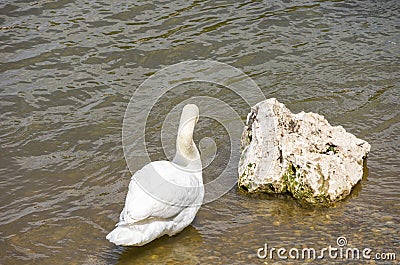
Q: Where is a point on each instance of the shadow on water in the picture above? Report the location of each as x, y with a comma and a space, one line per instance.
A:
177, 249
355, 192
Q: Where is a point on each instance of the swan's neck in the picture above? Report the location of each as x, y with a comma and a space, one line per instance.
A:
186, 150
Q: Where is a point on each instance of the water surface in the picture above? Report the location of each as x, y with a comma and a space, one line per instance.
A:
69, 68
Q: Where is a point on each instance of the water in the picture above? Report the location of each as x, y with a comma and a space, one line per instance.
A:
69, 68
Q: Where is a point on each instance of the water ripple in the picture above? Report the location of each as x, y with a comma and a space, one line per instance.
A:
68, 69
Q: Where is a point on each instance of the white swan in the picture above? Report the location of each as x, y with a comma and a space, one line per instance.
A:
163, 197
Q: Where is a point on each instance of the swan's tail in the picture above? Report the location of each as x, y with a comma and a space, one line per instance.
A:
126, 236
136, 235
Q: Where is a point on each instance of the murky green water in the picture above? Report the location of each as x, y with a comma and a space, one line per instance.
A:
69, 68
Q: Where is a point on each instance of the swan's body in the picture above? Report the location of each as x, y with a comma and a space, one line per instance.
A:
163, 197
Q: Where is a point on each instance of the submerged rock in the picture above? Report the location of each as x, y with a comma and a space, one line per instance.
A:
299, 153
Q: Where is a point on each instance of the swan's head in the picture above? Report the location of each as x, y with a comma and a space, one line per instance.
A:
186, 148
190, 113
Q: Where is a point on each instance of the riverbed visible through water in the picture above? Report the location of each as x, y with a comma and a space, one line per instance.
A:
69, 69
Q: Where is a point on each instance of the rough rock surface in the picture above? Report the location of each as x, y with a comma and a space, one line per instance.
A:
299, 153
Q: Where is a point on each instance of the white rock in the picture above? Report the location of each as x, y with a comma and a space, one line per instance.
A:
299, 153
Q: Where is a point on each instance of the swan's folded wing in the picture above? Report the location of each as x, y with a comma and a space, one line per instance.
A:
159, 190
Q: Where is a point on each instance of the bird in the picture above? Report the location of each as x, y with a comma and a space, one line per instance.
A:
164, 196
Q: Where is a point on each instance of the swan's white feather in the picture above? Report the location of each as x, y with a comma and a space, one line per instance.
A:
162, 199
160, 190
